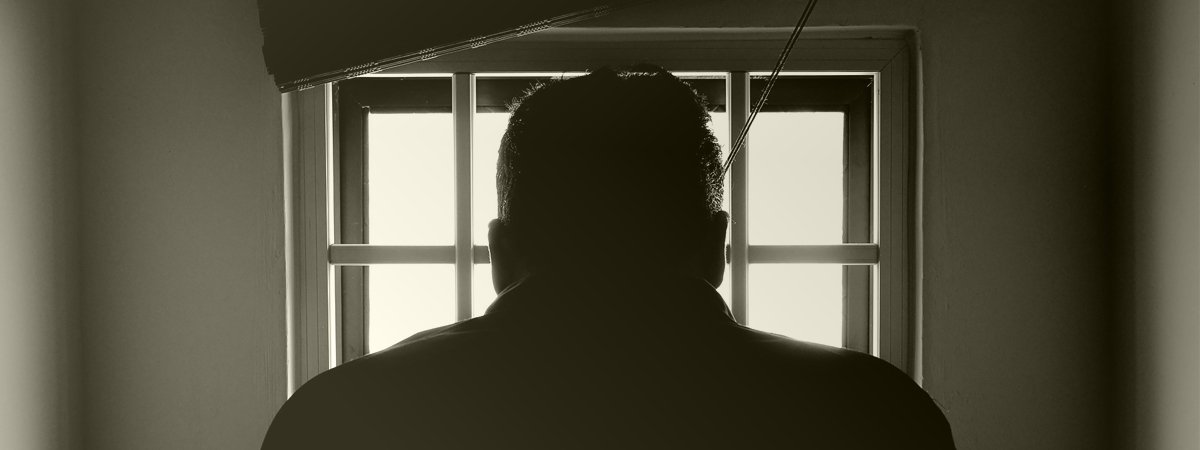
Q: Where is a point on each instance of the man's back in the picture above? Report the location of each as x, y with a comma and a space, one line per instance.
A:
564, 361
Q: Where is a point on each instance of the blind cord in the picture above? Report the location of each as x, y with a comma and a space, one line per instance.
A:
762, 99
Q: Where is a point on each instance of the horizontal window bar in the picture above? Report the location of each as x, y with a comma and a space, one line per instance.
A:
364, 254
852, 254
481, 255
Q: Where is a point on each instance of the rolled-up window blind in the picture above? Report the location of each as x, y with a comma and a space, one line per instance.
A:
308, 42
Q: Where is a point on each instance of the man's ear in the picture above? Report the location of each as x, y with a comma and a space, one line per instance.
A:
508, 265
712, 255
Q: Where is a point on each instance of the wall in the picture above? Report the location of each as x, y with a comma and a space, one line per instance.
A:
39, 330
181, 145
1158, 163
1016, 242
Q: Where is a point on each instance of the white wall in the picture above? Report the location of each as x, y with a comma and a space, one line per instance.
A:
39, 330
1158, 162
1016, 245
183, 265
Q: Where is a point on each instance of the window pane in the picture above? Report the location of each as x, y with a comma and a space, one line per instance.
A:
720, 129
411, 179
407, 299
482, 292
801, 301
795, 183
489, 129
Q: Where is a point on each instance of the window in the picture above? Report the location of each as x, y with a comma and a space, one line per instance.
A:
820, 196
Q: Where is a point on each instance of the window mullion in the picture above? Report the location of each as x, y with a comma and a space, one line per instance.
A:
857, 280
738, 109
463, 108
352, 288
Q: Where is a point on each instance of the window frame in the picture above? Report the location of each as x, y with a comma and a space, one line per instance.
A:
322, 234
356, 99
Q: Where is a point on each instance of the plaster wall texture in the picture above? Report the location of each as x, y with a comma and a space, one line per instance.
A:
183, 305
1158, 163
39, 240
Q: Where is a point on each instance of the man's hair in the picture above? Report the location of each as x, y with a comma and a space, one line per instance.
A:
619, 163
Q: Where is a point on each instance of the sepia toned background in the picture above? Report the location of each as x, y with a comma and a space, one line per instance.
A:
141, 223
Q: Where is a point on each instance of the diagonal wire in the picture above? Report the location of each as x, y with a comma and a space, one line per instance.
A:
762, 99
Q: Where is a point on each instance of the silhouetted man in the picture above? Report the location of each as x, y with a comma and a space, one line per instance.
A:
608, 332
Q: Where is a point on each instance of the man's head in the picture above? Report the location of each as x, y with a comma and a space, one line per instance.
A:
617, 169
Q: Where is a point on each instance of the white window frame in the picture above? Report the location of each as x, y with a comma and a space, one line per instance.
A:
316, 328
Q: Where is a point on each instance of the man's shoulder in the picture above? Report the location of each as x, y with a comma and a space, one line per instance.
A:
406, 383
811, 356
854, 384
424, 349
352, 396
434, 347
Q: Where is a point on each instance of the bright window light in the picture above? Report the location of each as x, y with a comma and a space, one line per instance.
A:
796, 169
489, 129
407, 299
801, 301
411, 179
796, 197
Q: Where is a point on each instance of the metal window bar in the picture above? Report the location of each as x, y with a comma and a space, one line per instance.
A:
895, 312
737, 88
857, 281
859, 252
351, 158
463, 109
363, 255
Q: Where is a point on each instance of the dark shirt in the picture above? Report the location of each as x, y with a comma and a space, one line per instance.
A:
645, 362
